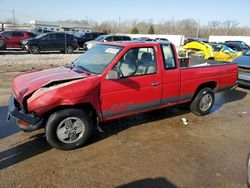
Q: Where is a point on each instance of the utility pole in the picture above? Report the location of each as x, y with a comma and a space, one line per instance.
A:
14, 19
198, 29
119, 24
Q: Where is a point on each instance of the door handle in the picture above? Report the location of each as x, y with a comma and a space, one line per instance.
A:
155, 83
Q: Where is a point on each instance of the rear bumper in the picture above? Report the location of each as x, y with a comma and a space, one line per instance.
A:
34, 122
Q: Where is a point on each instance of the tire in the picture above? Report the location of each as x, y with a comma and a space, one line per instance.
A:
69, 49
68, 129
203, 102
34, 49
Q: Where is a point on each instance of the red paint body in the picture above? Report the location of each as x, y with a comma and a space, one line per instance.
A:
12, 39
116, 98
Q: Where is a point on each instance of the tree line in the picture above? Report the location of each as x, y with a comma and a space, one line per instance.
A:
187, 27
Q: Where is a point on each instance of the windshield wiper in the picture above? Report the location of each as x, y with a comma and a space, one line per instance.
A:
83, 68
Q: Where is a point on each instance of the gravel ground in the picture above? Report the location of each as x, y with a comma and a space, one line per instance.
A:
148, 150
22, 61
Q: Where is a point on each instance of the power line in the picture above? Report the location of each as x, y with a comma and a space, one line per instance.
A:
22, 14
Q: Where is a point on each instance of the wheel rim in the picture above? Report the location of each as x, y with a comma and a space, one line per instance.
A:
205, 102
70, 130
35, 49
69, 50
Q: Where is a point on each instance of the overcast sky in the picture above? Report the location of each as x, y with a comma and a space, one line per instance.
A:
99, 10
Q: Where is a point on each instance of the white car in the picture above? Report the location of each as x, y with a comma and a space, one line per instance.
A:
105, 38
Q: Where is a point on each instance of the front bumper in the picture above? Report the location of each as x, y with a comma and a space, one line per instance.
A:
244, 79
34, 122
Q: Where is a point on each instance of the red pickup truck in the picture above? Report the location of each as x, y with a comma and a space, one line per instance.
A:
110, 81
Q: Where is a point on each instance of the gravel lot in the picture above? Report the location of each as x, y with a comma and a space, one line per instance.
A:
152, 149
21, 61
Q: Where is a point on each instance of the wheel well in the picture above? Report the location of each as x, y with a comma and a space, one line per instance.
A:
90, 110
211, 85
35, 45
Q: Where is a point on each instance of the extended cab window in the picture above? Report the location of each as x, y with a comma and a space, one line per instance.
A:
138, 61
169, 59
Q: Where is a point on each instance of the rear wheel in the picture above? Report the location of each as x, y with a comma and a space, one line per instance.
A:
203, 102
69, 49
68, 129
34, 49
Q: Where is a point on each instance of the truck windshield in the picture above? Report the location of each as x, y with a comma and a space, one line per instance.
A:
97, 58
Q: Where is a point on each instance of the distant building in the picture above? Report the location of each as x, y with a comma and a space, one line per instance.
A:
46, 25
11, 26
55, 26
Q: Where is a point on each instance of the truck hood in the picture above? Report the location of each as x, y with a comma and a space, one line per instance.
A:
25, 84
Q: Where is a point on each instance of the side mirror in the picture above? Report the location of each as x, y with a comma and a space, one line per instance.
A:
113, 75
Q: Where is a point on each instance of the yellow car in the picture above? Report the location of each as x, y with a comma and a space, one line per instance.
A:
218, 52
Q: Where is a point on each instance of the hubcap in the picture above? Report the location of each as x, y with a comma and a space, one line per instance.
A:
205, 102
35, 49
70, 130
69, 49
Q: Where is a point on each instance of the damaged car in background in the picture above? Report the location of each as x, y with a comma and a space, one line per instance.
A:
213, 51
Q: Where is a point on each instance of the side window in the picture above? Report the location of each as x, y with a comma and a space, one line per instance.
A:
60, 36
7, 34
125, 38
117, 38
109, 39
94, 35
169, 59
17, 34
87, 36
49, 37
32, 34
138, 61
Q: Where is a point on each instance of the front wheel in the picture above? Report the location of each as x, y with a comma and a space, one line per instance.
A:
34, 49
68, 129
203, 102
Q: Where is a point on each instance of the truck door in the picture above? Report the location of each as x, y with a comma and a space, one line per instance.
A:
137, 89
170, 77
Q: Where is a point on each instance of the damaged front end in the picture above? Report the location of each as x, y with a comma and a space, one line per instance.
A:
27, 121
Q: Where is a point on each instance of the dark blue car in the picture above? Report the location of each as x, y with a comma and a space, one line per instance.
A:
64, 42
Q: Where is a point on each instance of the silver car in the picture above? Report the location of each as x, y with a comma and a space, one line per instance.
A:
244, 69
105, 38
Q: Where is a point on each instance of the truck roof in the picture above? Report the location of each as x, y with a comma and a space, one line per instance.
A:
136, 43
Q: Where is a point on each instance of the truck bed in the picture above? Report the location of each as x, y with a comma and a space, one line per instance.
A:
200, 70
